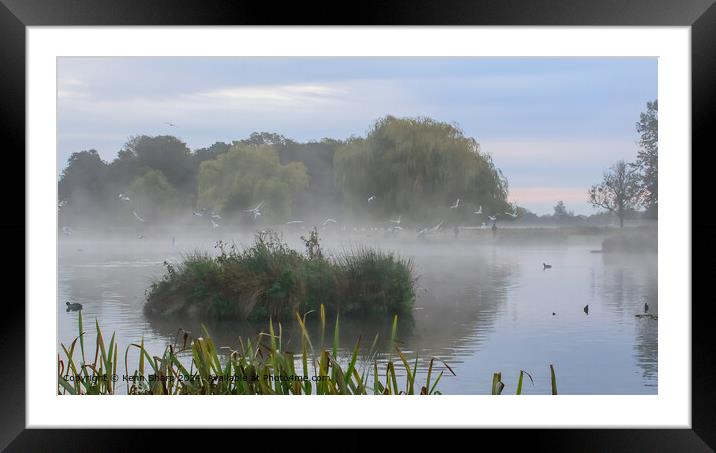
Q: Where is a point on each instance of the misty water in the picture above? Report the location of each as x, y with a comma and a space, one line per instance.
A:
484, 304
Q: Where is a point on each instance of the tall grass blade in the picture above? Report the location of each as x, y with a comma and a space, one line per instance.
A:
553, 379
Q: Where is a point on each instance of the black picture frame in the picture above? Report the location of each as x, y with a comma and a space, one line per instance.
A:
700, 15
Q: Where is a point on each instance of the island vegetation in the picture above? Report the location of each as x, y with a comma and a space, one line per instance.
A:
270, 280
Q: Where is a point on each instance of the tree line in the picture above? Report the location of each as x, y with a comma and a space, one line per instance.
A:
413, 168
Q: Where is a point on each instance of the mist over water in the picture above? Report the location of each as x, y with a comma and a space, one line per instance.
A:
484, 304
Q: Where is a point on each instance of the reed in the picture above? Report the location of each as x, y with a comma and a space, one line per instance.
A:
263, 366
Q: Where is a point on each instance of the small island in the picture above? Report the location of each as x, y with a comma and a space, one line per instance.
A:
271, 280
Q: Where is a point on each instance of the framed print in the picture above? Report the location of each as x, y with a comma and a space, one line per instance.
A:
360, 223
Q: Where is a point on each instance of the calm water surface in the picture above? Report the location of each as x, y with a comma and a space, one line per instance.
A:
483, 305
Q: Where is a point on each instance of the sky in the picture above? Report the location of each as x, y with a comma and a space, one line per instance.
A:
552, 125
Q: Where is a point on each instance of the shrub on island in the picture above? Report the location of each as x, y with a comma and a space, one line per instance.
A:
271, 280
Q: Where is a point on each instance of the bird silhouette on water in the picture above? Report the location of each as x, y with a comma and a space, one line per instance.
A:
586, 309
646, 307
73, 307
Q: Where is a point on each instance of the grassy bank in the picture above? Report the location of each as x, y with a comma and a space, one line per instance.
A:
262, 366
270, 280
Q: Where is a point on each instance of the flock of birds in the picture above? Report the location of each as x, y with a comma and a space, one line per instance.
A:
255, 213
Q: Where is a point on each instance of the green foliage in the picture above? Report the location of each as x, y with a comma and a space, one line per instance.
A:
245, 175
153, 194
165, 153
416, 166
212, 152
419, 167
269, 279
83, 178
259, 367
376, 283
647, 158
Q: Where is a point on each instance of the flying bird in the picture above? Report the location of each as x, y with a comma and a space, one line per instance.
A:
646, 307
62, 204
479, 211
371, 198
123, 197
140, 236
493, 218
436, 227
137, 216
198, 214
327, 221
258, 206
456, 205
215, 216
395, 221
255, 211
514, 216
546, 266
294, 222
586, 309
214, 224
170, 124
67, 231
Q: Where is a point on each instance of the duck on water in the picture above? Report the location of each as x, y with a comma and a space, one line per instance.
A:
73, 306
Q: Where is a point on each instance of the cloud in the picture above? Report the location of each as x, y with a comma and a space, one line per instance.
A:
271, 94
281, 99
70, 87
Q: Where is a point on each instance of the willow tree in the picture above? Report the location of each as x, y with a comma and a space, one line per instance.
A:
619, 191
418, 167
247, 175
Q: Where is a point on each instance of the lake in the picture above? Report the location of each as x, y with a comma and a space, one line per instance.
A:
484, 304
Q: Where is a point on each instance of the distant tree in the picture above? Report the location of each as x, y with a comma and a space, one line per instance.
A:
265, 138
648, 155
321, 196
561, 212
153, 194
122, 171
619, 192
247, 175
167, 154
83, 177
212, 152
418, 167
